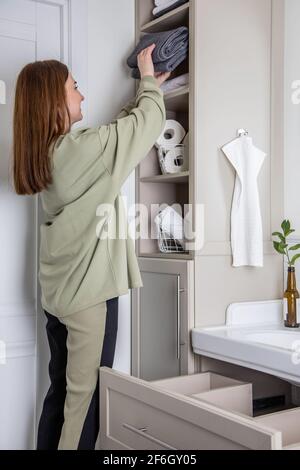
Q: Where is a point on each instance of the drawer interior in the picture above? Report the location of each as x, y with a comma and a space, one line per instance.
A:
237, 398
221, 391
197, 383
288, 422
234, 395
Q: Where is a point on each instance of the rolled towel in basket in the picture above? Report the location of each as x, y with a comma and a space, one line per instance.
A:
171, 223
171, 49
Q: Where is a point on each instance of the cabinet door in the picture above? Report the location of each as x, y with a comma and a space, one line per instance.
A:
161, 315
159, 325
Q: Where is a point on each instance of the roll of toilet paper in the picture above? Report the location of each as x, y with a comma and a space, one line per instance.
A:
161, 158
175, 160
172, 135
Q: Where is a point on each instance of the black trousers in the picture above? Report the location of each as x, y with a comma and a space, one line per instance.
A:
52, 417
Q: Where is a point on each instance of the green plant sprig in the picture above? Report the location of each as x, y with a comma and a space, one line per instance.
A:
282, 246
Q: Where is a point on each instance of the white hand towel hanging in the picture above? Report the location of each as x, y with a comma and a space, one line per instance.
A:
246, 222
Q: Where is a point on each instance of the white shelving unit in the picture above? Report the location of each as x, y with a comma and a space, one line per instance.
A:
175, 188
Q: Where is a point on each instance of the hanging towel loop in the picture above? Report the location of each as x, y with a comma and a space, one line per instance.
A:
242, 132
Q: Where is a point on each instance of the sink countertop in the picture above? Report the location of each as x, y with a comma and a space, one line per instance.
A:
254, 336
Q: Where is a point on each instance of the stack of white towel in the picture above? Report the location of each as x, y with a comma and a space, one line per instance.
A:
175, 83
163, 6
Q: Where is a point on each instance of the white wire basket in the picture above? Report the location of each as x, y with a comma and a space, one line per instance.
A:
168, 244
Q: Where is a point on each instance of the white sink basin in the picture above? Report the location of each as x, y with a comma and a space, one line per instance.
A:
255, 337
278, 339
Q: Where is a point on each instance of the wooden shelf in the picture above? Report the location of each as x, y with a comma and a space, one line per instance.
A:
180, 178
184, 256
178, 100
178, 17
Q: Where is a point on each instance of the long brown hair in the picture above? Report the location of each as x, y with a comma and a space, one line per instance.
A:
40, 114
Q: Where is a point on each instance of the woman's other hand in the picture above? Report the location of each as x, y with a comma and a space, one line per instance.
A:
161, 77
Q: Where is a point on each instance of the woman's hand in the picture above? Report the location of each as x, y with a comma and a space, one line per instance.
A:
145, 62
146, 66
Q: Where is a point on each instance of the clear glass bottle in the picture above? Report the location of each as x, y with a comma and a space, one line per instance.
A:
290, 297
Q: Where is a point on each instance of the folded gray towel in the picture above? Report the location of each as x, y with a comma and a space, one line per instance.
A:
167, 66
171, 49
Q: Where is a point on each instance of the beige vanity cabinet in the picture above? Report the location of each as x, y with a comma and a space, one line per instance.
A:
195, 412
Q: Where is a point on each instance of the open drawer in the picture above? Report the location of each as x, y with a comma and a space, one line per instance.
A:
170, 414
226, 393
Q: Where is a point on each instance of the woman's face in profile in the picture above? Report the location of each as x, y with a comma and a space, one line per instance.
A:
74, 99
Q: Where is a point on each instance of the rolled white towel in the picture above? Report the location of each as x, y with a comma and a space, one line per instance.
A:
171, 222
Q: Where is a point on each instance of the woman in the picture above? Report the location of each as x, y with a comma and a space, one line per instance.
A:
85, 265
